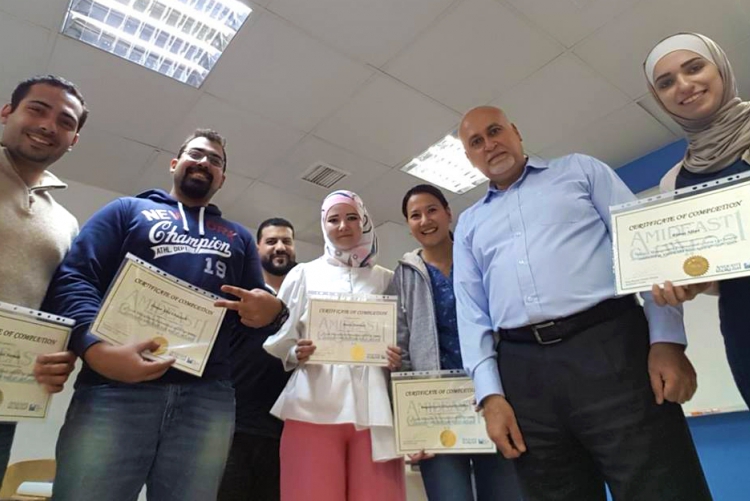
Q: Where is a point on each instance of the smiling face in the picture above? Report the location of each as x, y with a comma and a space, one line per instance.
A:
276, 250
429, 222
493, 145
43, 126
688, 85
343, 226
199, 172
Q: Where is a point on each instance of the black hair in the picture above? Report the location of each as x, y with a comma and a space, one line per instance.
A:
423, 188
274, 221
23, 88
212, 136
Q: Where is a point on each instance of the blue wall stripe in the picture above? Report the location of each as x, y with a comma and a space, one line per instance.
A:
645, 172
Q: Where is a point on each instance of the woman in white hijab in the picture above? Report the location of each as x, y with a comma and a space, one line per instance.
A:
692, 80
338, 441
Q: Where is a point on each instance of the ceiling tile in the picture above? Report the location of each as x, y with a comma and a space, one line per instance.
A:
461, 60
738, 57
384, 196
124, 98
279, 72
47, 13
388, 122
570, 21
262, 201
372, 32
312, 150
105, 160
617, 53
563, 96
18, 64
254, 143
616, 139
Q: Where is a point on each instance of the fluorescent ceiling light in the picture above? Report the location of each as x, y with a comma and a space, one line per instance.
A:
181, 39
445, 164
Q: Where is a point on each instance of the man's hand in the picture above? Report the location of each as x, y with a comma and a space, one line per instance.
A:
502, 426
672, 375
257, 308
675, 295
125, 363
394, 358
52, 370
303, 350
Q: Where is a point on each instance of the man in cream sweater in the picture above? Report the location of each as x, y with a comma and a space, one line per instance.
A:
41, 123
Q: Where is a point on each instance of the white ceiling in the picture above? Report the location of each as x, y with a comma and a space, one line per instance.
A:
365, 86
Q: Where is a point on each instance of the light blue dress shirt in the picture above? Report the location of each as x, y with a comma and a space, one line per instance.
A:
538, 251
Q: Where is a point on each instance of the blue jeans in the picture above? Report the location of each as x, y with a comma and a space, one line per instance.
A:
174, 438
447, 477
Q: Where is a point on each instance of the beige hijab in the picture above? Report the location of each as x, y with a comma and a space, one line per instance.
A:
714, 142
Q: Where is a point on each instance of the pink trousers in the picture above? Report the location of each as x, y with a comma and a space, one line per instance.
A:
333, 462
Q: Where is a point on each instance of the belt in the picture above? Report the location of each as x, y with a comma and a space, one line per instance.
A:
554, 331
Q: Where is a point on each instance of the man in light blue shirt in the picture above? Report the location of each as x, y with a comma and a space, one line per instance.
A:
585, 398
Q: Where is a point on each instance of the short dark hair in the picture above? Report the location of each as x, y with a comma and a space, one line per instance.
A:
423, 188
212, 136
23, 88
274, 221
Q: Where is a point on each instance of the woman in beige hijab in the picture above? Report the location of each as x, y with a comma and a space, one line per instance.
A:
692, 80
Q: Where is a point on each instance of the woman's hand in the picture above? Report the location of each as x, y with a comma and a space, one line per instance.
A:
304, 349
420, 456
394, 358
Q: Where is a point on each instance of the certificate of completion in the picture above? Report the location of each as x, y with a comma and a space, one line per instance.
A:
437, 415
696, 238
352, 330
146, 303
25, 334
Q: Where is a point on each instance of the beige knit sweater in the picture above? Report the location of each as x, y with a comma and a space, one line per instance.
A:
35, 234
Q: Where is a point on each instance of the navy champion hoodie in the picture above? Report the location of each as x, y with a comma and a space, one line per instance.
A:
194, 244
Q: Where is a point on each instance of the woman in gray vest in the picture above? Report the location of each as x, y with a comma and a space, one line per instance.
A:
428, 338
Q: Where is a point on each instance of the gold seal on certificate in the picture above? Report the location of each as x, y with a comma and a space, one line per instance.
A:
434, 412
25, 334
145, 303
687, 237
448, 439
695, 266
353, 329
163, 345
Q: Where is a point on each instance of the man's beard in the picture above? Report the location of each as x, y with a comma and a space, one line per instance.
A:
277, 270
194, 187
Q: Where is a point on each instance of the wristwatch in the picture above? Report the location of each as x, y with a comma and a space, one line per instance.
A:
281, 317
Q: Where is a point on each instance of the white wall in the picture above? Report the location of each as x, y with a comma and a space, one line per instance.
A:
394, 240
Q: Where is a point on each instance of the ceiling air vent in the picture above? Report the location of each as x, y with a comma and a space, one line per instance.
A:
324, 175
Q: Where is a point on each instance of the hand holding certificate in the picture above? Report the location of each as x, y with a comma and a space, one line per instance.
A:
24, 335
145, 305
351, 329
434, 412
691, 239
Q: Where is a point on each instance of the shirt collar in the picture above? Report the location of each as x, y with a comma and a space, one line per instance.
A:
532, 162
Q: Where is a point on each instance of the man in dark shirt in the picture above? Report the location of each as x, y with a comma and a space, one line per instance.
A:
252, 470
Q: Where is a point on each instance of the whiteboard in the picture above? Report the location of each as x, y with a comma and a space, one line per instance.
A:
716, 389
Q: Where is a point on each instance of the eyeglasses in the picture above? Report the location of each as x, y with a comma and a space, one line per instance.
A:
198, 155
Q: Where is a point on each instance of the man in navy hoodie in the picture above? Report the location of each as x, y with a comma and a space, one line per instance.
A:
134, 421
